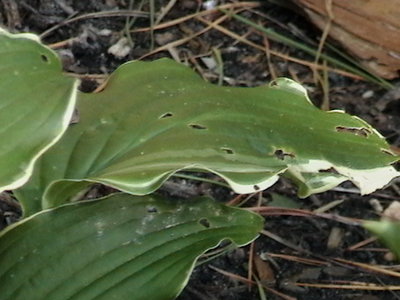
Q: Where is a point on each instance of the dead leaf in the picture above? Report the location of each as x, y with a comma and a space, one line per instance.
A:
265, 272
369, 30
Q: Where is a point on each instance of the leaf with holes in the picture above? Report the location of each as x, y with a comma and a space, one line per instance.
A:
36, 104
119, 247
156, 118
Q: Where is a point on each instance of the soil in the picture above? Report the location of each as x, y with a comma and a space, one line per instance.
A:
84, 46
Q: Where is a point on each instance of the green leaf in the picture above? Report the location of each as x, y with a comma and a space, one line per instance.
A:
119, 247
279, 200
153, 119
388, 232
312, 183
36, 104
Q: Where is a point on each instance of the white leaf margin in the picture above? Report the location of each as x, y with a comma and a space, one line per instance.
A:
28, 169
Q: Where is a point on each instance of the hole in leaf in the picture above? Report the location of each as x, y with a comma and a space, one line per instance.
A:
280, 154
330, 170
75, 117
197, 126
166, 115
204, 222
365, 132
227, 150
152, 209
44, 58
256, 187
273, 83
388, 152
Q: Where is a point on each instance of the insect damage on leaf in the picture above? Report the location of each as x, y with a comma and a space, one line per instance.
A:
281, 154
247, 136
365, 132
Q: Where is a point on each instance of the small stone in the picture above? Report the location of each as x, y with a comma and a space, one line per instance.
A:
389, 256
376, 205
210, 4
164, 38
392, 212
367, 94
120, 49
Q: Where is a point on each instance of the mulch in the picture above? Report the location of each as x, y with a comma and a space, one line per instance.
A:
294, 250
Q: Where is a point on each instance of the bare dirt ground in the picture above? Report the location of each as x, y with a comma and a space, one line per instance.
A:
296, 257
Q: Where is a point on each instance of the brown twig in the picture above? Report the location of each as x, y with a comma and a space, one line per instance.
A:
309, 64
279, 211
351, 285
362, 243
200, 14
186, 39
245, 280
303, 260
101, 14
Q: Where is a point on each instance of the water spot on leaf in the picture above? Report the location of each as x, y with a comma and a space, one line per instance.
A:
147, 219
197, 126
204, 222
104, 121
362, 131
99, 225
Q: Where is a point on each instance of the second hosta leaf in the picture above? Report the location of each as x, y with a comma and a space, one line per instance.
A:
153, 119
119, 247
388, 231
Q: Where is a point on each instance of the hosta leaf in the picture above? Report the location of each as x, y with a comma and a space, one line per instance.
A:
120, 247
312, 183
388, 232
278, 200
36, 104
153, 119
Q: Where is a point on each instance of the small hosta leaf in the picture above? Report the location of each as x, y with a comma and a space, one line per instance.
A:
388, 232
119, 247
154, 119
36, 104
279, 200
312, 183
